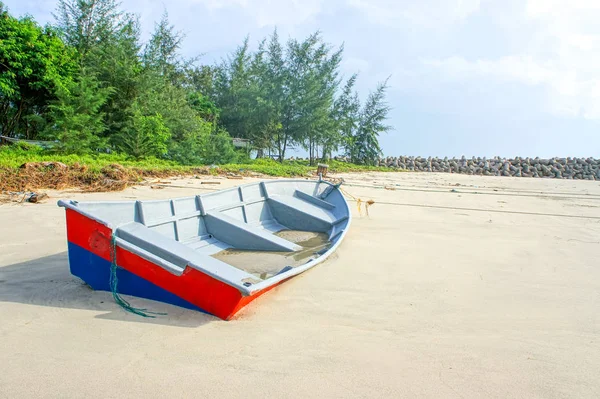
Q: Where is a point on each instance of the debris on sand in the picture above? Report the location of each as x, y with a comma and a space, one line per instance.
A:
37, 197
115, 171
32, 176
56, 175
48, 165
20, 197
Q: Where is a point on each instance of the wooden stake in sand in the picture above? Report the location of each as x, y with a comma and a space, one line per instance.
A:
322, 169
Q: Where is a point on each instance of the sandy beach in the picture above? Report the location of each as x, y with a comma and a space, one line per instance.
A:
454, 286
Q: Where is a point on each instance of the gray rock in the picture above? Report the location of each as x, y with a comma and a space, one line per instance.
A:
566, 168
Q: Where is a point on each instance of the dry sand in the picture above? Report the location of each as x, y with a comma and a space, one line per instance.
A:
432, 298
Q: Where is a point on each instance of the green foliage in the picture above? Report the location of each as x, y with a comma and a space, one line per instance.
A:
87, 25
14, 156
77, 122
90, 83
346, 116
34, 64
107, 43
201, 78
118, 66
203, 106
269, 167
161, 54
314, 78
24, 146
189, 148
364, 144
148, 136
290, 96
218, 148
233, 93
203, 146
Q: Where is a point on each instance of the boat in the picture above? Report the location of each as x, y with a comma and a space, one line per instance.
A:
213, 252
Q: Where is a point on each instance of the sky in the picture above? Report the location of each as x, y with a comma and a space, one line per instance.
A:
467, 77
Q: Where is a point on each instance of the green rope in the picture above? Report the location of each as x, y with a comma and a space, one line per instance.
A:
114, 282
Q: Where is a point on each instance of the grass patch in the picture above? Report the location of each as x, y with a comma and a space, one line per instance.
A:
26, 167
14, 156
297, 168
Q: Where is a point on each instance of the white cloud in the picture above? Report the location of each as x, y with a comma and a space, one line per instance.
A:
424, 13
562, 55
216, 4
270, 12
569, 92
514, 68
559, 8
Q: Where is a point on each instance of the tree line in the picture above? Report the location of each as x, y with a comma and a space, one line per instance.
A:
88, 82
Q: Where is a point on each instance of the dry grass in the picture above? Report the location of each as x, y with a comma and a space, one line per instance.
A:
56, 175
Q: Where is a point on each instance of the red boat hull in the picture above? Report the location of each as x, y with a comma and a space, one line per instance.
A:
90, 255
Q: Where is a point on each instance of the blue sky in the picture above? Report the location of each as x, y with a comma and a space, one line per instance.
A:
468, 77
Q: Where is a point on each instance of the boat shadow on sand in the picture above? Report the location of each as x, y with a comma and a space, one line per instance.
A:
47, 281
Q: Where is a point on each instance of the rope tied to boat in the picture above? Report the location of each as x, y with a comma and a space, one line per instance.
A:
114, 281
359, 201
333, 186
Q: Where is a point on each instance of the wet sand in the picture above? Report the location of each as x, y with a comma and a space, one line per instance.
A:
453, 287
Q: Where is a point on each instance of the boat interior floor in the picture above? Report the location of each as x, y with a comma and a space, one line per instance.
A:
265, 264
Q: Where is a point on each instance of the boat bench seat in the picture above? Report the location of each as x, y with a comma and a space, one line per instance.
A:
300, 214
170, 254
314, 200
241, 235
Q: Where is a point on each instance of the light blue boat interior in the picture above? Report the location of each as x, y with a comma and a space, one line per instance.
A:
244, 222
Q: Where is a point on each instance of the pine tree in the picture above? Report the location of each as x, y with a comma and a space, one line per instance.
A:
346, 116
107, 42
119, 67
218, 148
288, 96
161, 54
87, 24
318, 85
77, 120
147, 136
364, 147
231, 86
